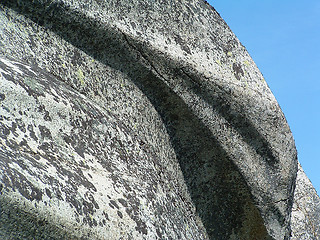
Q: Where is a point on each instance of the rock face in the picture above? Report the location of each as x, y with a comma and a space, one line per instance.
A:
305, 218
137, 120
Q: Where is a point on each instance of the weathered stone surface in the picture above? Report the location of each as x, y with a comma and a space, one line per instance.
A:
67, 162
137, 120
305, 219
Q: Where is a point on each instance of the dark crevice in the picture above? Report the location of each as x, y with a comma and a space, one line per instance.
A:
236, 118
143, 55
282, 200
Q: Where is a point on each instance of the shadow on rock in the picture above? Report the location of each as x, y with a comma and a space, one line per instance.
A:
219, 192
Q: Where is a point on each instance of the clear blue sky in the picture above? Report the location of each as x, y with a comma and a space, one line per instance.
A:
283, 38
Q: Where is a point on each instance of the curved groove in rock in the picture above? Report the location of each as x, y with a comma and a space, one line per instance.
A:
198, 150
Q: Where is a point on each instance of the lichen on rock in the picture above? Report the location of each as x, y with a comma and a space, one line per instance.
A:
137, 120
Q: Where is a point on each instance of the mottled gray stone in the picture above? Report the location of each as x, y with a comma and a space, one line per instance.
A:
66, 163
305, 218
137, 120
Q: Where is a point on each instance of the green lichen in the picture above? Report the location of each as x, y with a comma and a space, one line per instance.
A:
80, 77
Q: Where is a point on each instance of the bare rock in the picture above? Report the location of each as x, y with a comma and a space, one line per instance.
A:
137, 120
305, 219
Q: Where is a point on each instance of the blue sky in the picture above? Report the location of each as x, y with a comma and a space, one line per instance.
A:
283, 38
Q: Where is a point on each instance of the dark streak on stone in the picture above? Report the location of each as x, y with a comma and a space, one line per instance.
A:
24, 143
45, 146
24, 186
91, 198
32, 133
120, 214
237, 70
106, 216
114, 204
2, 97
67, 139
12, 144
141, 227
48, 193
123, 202
158, 233
47, 117
45, 132
80, 150
21, 125
4, 131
